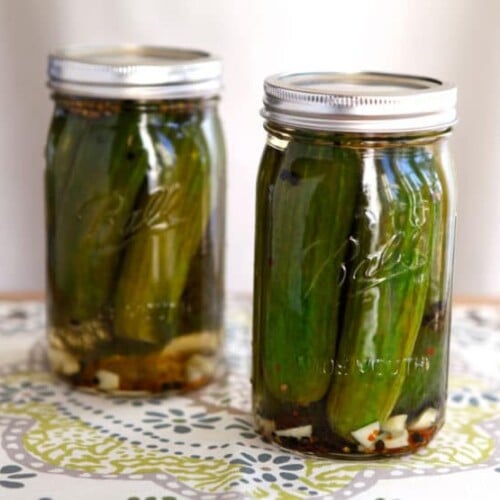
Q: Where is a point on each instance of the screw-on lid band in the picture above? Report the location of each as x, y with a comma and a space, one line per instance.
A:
359, 102
134, 72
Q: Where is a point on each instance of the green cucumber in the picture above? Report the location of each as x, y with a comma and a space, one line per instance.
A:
95, 195
388, 281
425, 385
310, 211
174, 211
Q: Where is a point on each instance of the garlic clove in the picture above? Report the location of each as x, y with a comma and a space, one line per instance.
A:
63, 362
367, 435
395, 424
303, 431
107, 381
395, 440
425, 420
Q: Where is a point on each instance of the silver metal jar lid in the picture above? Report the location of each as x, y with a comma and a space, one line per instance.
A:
359, 102
134, 72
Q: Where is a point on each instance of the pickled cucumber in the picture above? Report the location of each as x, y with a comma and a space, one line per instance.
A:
388, 280
171, 218
96, 190
310, 209
425, 387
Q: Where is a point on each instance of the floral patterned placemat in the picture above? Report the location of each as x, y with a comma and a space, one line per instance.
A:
60, 444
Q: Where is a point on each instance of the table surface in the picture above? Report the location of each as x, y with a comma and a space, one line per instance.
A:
59, 444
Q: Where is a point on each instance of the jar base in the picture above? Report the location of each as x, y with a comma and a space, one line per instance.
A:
186, 363
339, 449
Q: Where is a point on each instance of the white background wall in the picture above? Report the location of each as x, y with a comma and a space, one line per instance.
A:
456, 40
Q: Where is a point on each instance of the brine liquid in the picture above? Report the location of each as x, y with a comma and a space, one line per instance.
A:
135, 243
353, 258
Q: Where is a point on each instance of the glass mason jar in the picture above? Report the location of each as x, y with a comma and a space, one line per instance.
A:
353, 263
135, 192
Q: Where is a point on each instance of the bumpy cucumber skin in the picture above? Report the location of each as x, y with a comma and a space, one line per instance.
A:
306, 226
387, 287
158, 256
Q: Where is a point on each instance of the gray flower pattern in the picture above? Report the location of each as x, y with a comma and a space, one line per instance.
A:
180, 421
10, 476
